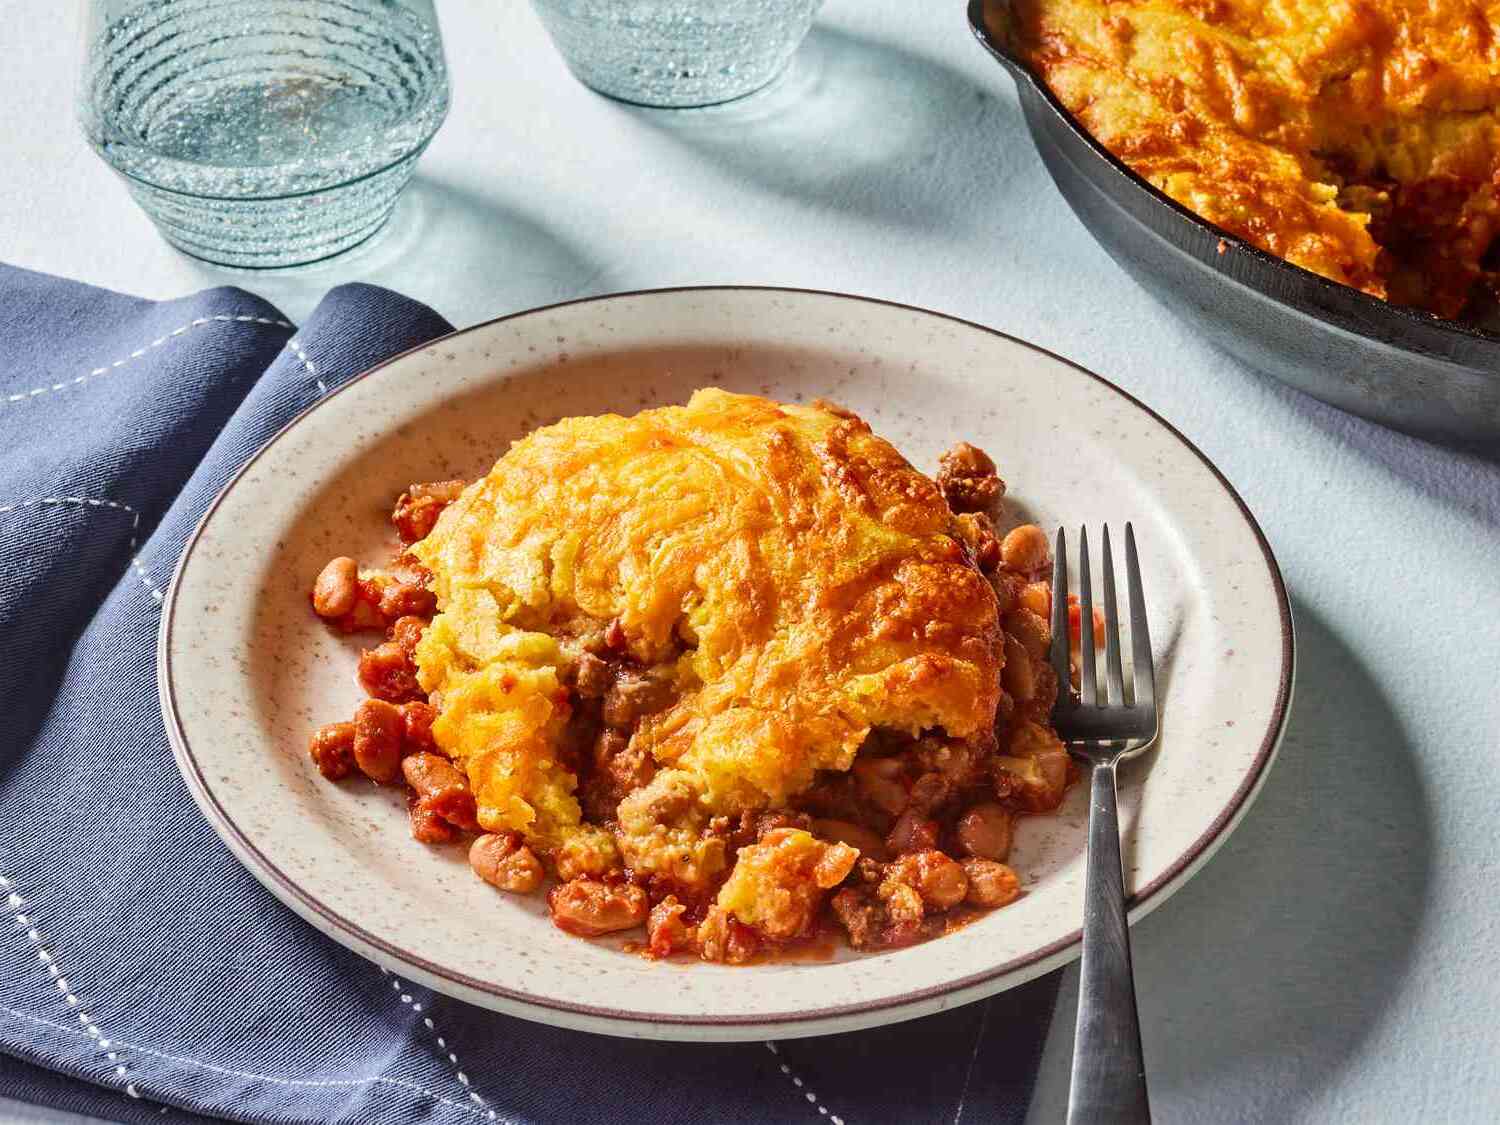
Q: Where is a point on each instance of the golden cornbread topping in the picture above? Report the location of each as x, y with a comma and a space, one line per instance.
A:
788, 575
1359, 140
732, 670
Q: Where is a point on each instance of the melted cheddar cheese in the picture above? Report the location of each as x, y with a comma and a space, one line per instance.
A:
793, 576
1358, 139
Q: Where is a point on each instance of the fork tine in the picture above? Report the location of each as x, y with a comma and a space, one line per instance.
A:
1088, 685
1140, 636
1114, 673
1060, 658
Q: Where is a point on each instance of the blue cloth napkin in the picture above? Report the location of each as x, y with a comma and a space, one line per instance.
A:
144, 975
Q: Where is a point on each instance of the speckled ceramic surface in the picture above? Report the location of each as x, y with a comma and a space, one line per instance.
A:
246, 670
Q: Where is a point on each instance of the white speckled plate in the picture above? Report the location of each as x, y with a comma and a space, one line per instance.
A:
246, 670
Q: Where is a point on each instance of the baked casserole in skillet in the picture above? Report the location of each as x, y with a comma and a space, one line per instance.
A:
1359, 140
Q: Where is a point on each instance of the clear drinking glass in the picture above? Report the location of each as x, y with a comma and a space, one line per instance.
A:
677, 53
263, 132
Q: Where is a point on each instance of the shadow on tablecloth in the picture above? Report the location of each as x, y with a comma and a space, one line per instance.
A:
868, 128
1283, 956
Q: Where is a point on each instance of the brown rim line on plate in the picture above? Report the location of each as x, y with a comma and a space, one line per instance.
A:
1405, 367
634, 1022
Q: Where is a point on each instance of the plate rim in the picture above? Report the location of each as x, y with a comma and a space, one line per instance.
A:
1021, 969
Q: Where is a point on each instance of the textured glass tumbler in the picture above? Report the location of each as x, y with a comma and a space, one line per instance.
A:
263, 133
677, 53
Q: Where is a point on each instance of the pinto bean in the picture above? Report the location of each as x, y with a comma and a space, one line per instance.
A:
967, 460
930, 791
443, 787
939, 880
386, 672
332, 748
879, 779
430, 775
377, 740
912, 832
1037, 597
1018, 676
403, 599
364, 614
1025, 549
336, 588
1031, 630
943, 883
488, 850
457, 807
520, 872
588, 907
416, 725
501, 860
985, 831
1034, 770
428, 826
990, 883
415, 517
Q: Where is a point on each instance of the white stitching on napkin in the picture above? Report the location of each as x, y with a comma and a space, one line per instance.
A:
22, 396
312, 368
301, 1082
416, 1006
84, 501
812, 1098
984, 1022
27, 923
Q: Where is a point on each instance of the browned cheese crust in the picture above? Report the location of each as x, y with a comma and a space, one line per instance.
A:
1359, 140
783, 576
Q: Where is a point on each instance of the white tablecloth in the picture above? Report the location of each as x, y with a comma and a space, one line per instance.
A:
1332, 963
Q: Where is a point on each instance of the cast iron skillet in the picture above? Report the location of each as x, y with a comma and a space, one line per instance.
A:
1399, 366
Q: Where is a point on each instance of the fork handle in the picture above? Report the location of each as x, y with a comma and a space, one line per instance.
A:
1109, 1071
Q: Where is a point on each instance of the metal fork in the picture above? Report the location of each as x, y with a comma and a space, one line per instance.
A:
1102, 728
